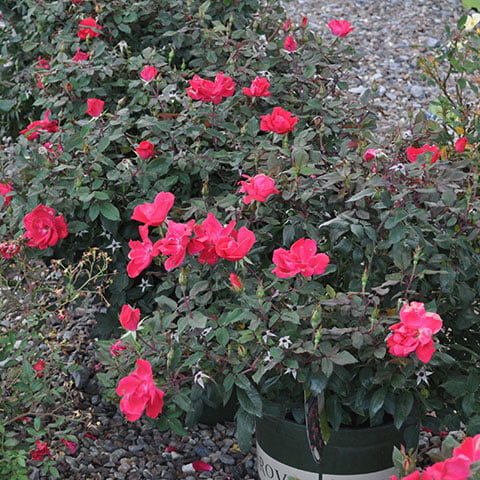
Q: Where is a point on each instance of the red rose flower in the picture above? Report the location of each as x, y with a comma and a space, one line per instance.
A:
279, 121
175, 243
208, 91
45, 125
207, 235
236, 283
39, 367
301, 258
43, 228
88, 28
257, 188
139, 393
258, 88
5, 189
41, 451
340, 28
117, 348
461, 144
9, 249
80, 56
141, 253
469, 448
370, 154
235, 246
456, 468
129, 318
414, 332
413, 152
304, 22
145, 150
154, 214
290, 44
148, 73
94, 107
72, 446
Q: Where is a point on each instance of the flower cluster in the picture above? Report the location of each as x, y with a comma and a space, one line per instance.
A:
463, 465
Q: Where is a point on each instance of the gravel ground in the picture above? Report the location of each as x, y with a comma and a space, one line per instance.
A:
393, 34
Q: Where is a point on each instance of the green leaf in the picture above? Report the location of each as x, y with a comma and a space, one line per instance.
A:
110, 211
36, 423
245, 426
368, 192
250, 401
343, 358
197, 320
222, 336
376, 402
6, 105
403, 407
455, 386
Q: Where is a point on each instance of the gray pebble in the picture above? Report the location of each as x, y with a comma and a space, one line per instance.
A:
227, 459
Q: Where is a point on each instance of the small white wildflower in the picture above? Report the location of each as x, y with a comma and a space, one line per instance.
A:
398, 168
144, 284
267, 334
285, 342
206, 331
422, 375
471, 22
175, 337
268, 358
114, 246
198, 378
292, 371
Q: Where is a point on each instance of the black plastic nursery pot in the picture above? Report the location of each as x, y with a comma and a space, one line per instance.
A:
283, 452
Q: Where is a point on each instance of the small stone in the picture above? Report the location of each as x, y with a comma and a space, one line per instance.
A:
80, 377
117, 454
188, 468
227, 459
201, 451
417, 91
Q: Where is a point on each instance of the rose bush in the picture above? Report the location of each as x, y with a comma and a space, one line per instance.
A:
293, 291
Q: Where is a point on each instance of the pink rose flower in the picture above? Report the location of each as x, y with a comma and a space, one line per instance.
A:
461, 144
88, 28
207, 236
414, 332
413, 152
140, 393
290, 44
129, 318
236, 245
340, 28
145, 150
44, 125
5, 189
258, 88
80, 56
279, 121
94, 107
141, 253
257, 188
208, 91
148, 73
236, 283
44, 229
301, 258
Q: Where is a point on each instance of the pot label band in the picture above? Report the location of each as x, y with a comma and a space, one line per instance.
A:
271, 469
